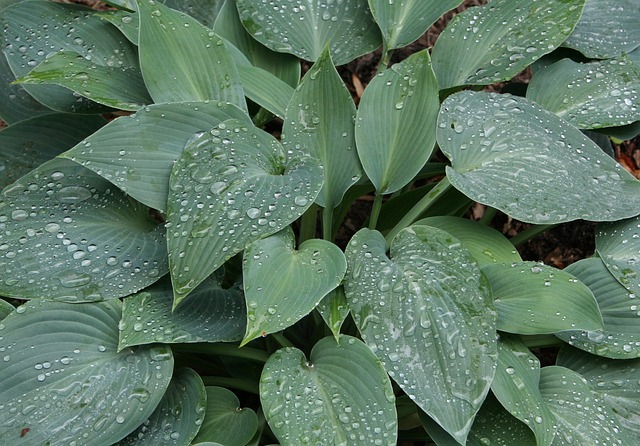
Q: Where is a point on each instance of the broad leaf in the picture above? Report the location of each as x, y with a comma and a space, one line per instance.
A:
282, 285
204, 11
403, 22
532, 298
61, 370
29, 143
137, 152
582, 416
589, 95
117, 87
512, 155
70, 236
225, 421
620, 311
15, 103
320, 119
334, 309
607, 29
397, 115
306, 27
231, 187
177, 418
341, 395
618, 244
128, 23
182, 60
265, 89
427, 313
493, 43
212, 314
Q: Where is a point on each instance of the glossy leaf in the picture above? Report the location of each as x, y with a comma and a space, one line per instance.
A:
282, 285
589, 95
204, 11
225, 421
266, 90
493, 43
320, 119
607, 29
137, 152
178, 417
334, 310
61, 370
117, 87
212, 314
618, 244
29, 143
341, 395
182, 60
70, 236
231, 187
305, 27
510, 154
403, 22
619, 309
427, 313
15, 103
395, 127
532, 298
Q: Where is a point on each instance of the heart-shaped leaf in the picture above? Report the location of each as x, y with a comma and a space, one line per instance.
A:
212, 314
305, 28
532, 298
177, 418
427, 313
342, 395
137, 152
510, 154
70, 236
618, 244
61, 370
225, 421
493, 43
231, 187
282, 285
398, 113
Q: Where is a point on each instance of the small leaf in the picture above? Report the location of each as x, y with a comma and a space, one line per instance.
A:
127, 22
618, 244
334, 309
427, 313
532, 298
342, 395
265, 89
225, 421
510, 154
61, 370
231, 187
398, 113
282, 285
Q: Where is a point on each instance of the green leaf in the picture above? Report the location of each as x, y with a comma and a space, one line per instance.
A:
405, 21
71, 237
282, 285
342, 395
128, 23
589, 95
320, 119
607, 29
493, 43
29, 143
428, 314
306, 28
204, 11
231, 187
516, 387
398, 113
619, 309
177, 418
582, 416
34, 28
512, 155
265, 89
61, 370
225, 421
5, 309
182, 60
618, 244
532, 298
137, 152
15, 103
486, 245
212, 314
117, 87
334, 309
616, 381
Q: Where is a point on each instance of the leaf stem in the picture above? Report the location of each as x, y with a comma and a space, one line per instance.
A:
282, 340
234, 383
327, 224
488, 215
231, 350
375, 211
530, 233
308, 224
386, 59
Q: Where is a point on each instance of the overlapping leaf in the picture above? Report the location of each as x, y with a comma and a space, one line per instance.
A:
204, 11
618, 244
5, 309
334, 310
15, 103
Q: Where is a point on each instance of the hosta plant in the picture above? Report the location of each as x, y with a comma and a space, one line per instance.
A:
178, 257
